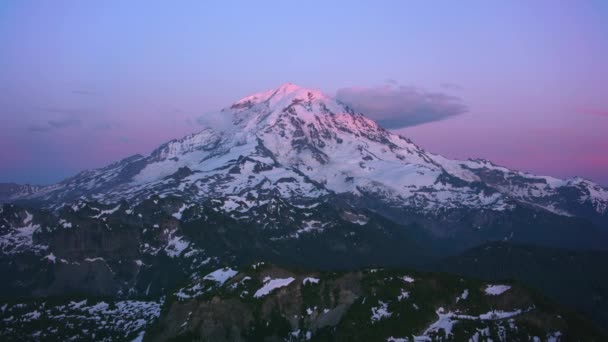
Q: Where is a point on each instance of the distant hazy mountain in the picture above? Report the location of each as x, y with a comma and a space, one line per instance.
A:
10, 191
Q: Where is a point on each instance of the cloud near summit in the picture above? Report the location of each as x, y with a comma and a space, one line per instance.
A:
395, 106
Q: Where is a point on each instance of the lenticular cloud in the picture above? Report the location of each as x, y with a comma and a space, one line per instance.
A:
399, 106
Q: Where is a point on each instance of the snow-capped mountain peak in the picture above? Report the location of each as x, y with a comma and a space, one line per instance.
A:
302, 145
287, 92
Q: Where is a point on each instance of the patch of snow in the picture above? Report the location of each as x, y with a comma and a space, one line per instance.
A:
310, 226
408, 279
446, 322
554, 336
463, 296
498, 314
20, 239
106, 212
77, 305
94, 259
28, 218
34, 315
101, 306
495, 290
310, 280
180, 211
176, 246
51, 257
380, 312
403, 295
221, 276
65, 224
271, 284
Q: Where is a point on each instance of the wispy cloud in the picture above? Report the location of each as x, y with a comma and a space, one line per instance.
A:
391, 81
450, 86
64, 123
125, 140
105, 125
217, 120
52, 125
85, 92
70, 111
400, 106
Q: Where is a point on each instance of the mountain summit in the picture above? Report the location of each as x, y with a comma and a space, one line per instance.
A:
302, 146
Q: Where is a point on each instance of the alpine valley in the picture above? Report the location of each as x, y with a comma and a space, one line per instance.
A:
291, 217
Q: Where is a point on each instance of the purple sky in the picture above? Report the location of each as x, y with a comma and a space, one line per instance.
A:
524, 84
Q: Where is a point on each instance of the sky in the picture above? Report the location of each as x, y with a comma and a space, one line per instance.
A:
86, 83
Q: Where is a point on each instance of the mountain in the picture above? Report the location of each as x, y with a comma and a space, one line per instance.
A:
291, 177
301, 145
